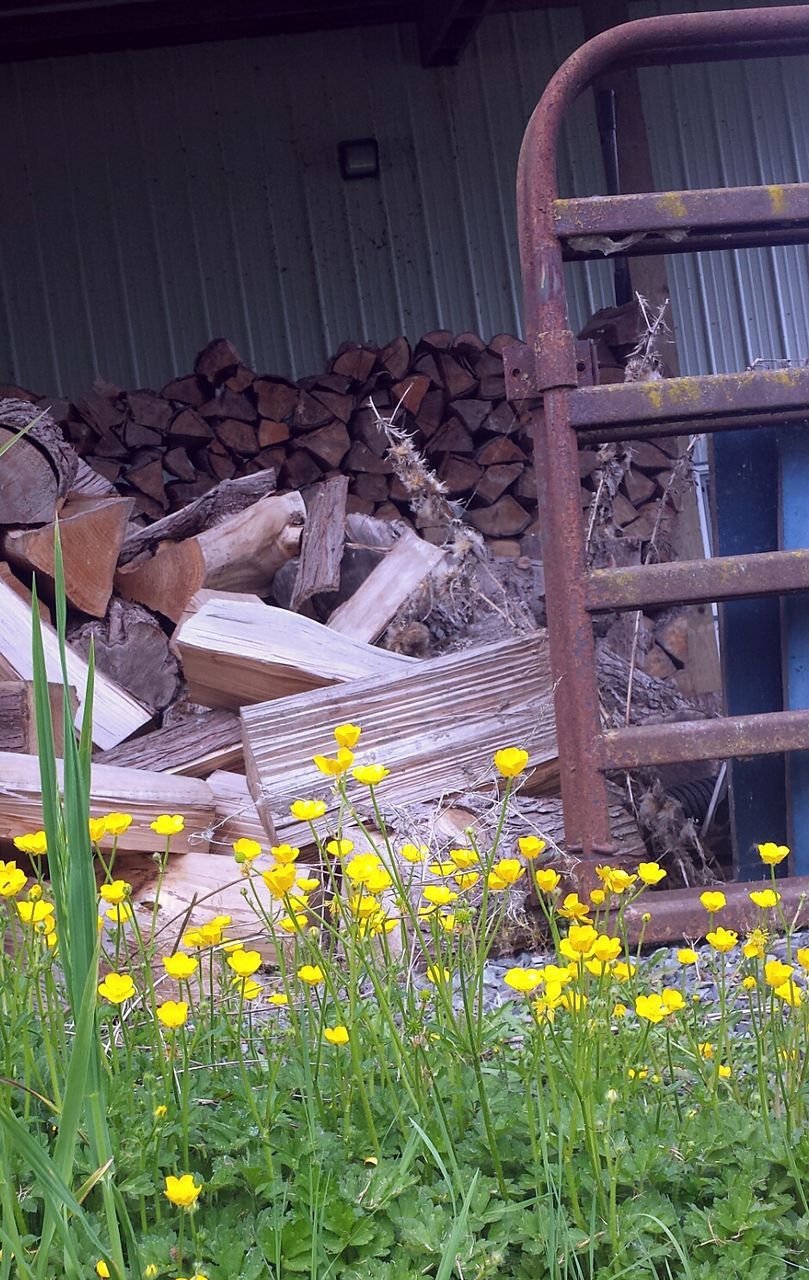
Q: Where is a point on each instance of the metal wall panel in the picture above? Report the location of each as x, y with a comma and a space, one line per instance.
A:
721, 125
157, 198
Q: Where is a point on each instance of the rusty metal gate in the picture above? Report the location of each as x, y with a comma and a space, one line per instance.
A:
553, 231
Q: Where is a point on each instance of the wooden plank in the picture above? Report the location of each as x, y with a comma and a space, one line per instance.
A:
141, 793
375, 604
234, 653
435, 726
237, 817
116, 715
322, 542
195, 746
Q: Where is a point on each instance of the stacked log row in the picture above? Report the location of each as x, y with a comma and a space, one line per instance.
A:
166, 448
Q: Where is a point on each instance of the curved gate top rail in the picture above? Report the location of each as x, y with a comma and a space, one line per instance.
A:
551, 230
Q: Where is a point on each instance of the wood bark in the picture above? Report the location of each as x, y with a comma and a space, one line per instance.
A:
37, 471
132, 649
18, 729
322, 542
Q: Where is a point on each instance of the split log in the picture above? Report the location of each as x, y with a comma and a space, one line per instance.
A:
91, 532
88, 483
505, 518
234, 653
652, 699
217, 361
132, 649
435, 725
226, 499
36, 473
193, 747
241, 553
322, 542
237, 816
116, 714
24, 592
18, 728
386, 589
134, 791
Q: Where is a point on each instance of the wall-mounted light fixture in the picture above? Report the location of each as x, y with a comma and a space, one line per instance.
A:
359, 158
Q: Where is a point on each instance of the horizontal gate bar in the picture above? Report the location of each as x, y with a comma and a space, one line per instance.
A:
672, 915
770, 573
717, 214
654, 431
723, 739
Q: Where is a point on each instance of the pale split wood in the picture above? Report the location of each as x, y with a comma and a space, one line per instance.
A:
322, 542
386, 589
235, 653
435, 726
91, 531
22, 591
116, 715
195, 746
241, 553
139, 792
88, 483
236, 815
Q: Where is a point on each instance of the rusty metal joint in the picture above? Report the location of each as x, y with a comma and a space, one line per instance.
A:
555, 360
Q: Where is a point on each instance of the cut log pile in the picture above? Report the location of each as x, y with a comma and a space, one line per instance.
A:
239, 549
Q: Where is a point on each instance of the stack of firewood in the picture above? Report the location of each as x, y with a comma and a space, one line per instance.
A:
166, 448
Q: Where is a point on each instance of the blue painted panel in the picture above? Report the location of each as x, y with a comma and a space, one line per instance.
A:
794, 485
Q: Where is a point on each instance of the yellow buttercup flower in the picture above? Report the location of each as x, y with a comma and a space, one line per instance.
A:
414, 852
573, 908
439, 895
311, 974
510, 761
362, 866
347, 735
249, 989
182, 1191
244, 963
335, 766
339, 848
284, 853
120, 914
118, 824
531, 846
722, 940
246, 850
776, 973
597, 897
102, 1269
687, 955
336, 1035
97, 828
802, 957
573, 1001
35, 844
652, 1007
615, 879
168, 824
546, 880
672, 999
772, 854
280, 879
724, 1071
12, 880
442, 868
579, 942
523, 980
436, 974
307, 883
378, 880
463, 859
749, 983
117, 987
706, 1050
278, 998
605, 948
115, 892
173, 1013
370, 774
151, 1271
448, 922
619, 1010
713, 900
790, 994
291, 924
755, 944
765, 898
160, 1112
641, 1073
34, 912
307, 810
466, 879
507, 870
180, 965
651, 872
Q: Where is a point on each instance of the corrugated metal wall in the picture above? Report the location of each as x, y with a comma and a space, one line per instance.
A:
154, 199
721, 125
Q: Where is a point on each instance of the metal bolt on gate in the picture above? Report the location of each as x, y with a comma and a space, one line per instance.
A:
553, 231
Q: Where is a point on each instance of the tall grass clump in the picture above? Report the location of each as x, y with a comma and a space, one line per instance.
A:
335, 1094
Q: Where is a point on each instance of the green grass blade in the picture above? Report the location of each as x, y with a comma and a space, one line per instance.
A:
457, 1234
18, 435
